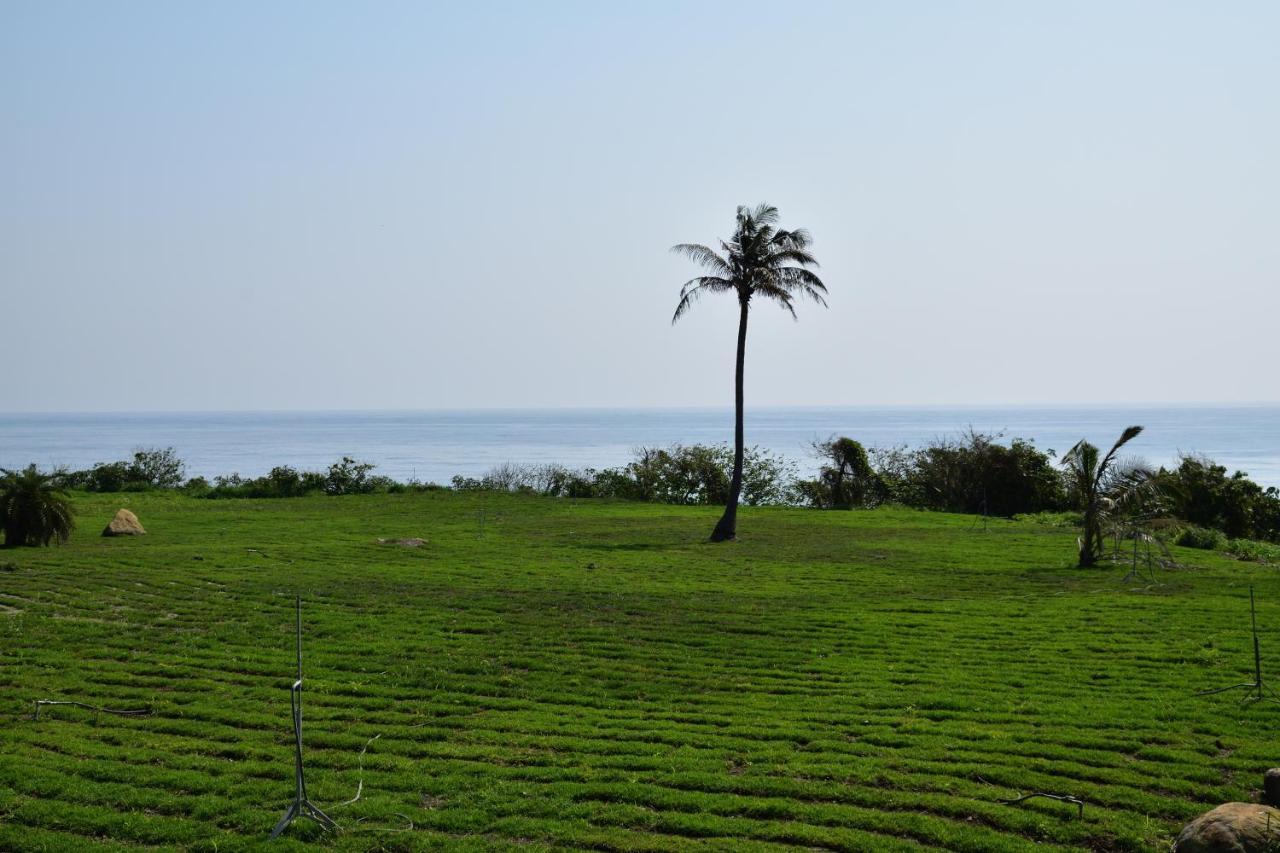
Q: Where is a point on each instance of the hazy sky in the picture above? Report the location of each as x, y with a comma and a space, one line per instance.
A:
318, 205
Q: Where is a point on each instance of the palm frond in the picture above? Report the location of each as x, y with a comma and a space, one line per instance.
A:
802, 257
1080, 463
1128, 435
693, 290
704, 256
803, 281
797, 239
778, 294
764, 214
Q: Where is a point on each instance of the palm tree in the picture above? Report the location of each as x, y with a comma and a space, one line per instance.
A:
759, 260
1102, 488
34, 510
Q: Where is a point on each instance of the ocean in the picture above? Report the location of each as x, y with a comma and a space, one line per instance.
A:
436, 445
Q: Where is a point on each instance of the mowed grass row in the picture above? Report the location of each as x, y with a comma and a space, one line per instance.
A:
595, 675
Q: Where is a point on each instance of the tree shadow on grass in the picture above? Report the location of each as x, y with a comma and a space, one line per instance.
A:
624, 546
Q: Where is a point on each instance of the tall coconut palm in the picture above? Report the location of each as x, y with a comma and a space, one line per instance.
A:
1102, 487
761, 260
34, 509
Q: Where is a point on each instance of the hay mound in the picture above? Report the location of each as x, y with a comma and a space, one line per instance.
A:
124, 524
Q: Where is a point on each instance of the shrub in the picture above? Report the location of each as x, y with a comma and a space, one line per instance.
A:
381, 484
846, 481
1202, 537
349, 477
345, 477
102, 477
690, 475
34, 509
698, 474
160, 468
150, 468
1215, 540
1250, 549
973, 473
284, 481
197, 487
681, 474
1199, 491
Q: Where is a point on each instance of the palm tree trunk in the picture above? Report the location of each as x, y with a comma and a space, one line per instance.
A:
727, 526
1089, 548
14, 535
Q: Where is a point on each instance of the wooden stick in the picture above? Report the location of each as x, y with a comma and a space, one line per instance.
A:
1062, 798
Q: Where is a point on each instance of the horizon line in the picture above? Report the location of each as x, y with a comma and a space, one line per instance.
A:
1198, 404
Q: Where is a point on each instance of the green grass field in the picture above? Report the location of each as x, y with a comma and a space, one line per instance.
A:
595, 675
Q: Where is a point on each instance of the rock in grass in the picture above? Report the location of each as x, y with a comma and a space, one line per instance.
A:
124, 524
1232, 828
406, 543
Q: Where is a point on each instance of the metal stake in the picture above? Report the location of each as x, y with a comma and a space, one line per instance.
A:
1256, 690
301, 805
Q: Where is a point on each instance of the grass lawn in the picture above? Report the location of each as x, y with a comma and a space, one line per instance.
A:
595, 675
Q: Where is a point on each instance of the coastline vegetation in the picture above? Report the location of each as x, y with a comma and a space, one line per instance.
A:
1195, 504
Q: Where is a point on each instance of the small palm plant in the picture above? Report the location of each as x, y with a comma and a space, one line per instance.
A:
34, 510
760, 260
1104, 488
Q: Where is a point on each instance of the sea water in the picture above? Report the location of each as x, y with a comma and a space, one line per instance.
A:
436, 445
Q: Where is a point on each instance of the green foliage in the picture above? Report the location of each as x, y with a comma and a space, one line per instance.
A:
159, 468
550, 480
281, 482
1209, 539
1251, 549
150, 468
591, 674
681, 475
1199, 491
349, 477
34, 509
197, 487
973, 473
692, 475
845, 481
1201, 537
687, 475
102, 477
344, 477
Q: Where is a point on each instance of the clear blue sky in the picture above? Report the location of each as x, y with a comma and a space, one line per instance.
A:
318, 205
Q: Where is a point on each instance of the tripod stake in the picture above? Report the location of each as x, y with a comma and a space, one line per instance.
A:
1256, 690
301, 805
